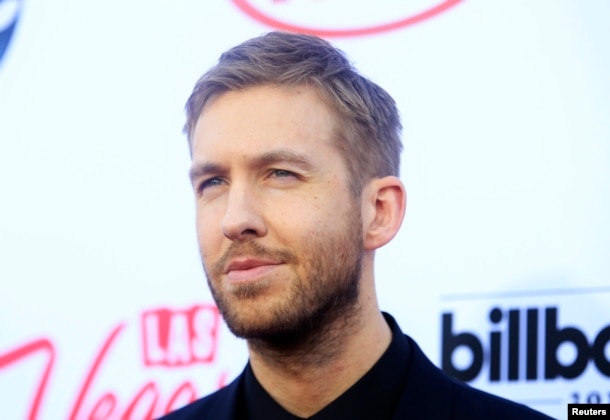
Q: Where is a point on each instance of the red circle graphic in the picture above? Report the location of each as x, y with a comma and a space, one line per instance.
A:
256, 14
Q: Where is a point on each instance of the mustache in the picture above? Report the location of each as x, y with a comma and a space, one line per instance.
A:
250, 249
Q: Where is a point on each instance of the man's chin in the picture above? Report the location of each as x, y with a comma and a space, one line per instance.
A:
270, 335
254, 321
252, 330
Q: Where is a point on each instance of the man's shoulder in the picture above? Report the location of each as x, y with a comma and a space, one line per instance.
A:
471, 400
221, 404
445, 397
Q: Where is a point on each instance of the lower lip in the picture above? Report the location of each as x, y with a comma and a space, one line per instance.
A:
251, 274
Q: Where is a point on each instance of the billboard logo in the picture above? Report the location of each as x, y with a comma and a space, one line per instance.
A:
9, 12
342, 18
513, 349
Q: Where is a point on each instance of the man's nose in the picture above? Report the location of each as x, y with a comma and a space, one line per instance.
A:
243, 218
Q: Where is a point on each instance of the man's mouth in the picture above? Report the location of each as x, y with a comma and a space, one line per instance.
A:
244, 270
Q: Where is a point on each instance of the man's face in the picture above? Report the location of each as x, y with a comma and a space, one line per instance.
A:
279, 232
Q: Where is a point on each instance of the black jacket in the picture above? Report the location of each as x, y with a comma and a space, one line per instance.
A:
428, 394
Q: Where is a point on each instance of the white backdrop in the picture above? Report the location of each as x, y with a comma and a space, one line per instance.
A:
104, 308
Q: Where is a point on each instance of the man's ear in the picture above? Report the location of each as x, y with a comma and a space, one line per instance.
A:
384, 202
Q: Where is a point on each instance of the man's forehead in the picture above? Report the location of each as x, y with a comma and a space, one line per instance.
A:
296, 111
264, 92
257, 159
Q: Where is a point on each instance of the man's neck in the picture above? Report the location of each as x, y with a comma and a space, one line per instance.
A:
304, 380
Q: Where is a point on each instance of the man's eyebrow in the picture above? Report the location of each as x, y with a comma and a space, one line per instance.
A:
282, 155
264, 159
199, 170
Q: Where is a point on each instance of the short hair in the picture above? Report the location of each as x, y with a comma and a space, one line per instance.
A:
369, 127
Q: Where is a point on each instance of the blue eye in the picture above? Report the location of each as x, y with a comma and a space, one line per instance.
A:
280, 173
211, 182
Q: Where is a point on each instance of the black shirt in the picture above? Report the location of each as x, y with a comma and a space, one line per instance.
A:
403, 384
375, 395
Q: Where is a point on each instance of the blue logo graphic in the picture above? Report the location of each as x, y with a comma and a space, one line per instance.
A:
9, 12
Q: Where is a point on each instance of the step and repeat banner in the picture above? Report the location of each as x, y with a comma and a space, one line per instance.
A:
501, 270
